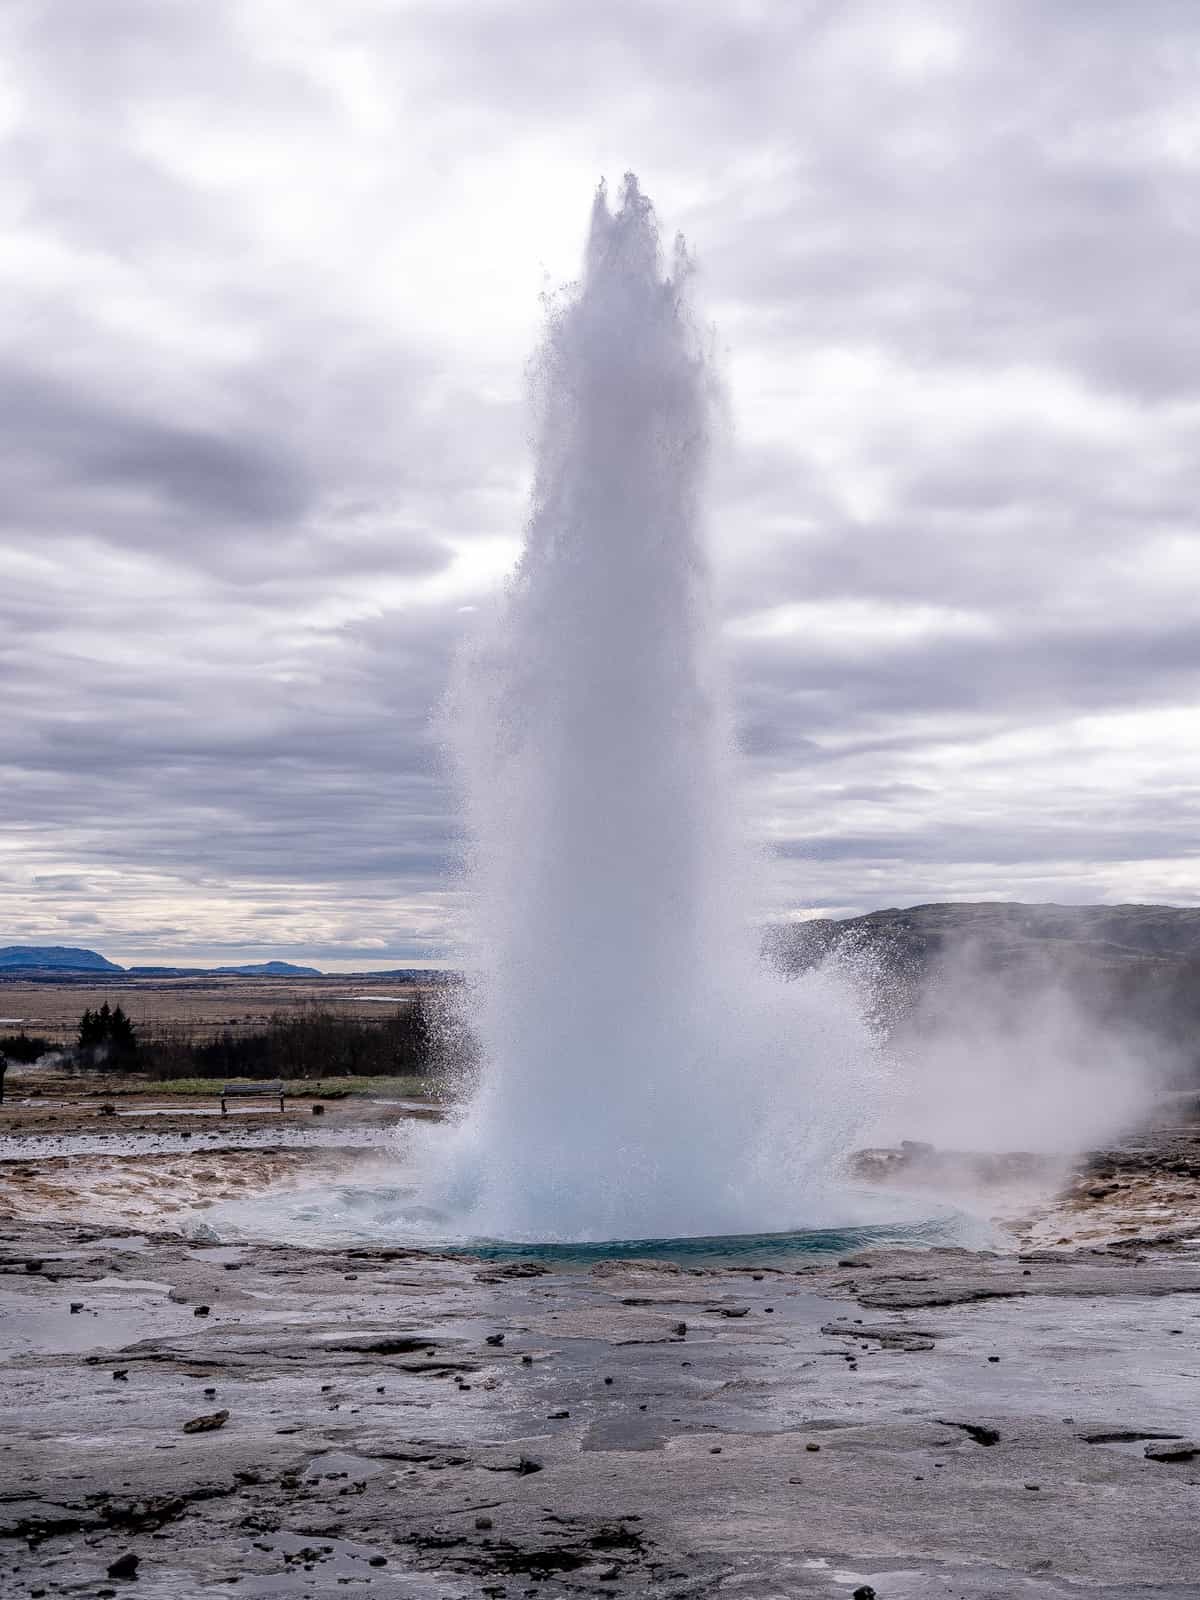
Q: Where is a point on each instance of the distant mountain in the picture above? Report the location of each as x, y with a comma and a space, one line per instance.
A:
1132, 969
53, 958
1008, 929
268, 969
64, 959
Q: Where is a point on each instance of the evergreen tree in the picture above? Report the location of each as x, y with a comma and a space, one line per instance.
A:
107, 1037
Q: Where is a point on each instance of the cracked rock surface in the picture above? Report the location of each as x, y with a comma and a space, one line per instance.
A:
988, 1426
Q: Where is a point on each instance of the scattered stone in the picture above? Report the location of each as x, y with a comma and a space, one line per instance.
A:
528, 1464
76, 1307
812, 1445
377, 1561
210, 1394
200, 1311
714, 1449
863, 1592
608, 1380
125, 1566
494, 1338
735, 1311
209, 1424
557, 1416
484, 1523
679, 1328
318, 1111
34, 1264
1172, 1450
121, 1375
1034, 1486
993, 1359
526, 1361
974, 1430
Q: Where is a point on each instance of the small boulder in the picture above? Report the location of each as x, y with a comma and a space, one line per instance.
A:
124, 1566
209, 1424
1172, 1450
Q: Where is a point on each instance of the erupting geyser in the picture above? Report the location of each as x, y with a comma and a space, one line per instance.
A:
642, 1074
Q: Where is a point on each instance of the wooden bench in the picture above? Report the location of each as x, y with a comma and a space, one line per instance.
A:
238, 1091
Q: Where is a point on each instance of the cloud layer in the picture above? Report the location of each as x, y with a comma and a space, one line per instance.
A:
272, 273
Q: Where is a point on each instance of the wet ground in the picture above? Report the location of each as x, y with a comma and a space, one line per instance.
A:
269, 1420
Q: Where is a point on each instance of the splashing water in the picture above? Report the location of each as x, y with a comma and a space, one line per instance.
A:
642, 1075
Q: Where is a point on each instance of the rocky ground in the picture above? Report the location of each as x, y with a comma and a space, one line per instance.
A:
184, 1418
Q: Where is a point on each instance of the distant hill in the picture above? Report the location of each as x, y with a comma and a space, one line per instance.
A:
34, 959
53, 958
1007, 928
1132, 968
268, 969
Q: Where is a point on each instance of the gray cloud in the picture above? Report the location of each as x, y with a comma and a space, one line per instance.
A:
271, 283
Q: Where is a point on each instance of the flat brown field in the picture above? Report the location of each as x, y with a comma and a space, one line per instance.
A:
203, 1006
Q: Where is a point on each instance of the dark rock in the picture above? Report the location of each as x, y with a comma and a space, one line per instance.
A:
76, 1307
528, 1464
1122, 1435
679, 1328
557, 1416
1172, 1450
494, 1338
377, 1561
124, 1566
200, 1311
484, 1523
863, 1592
974, 1430
208, 1424
121, 1375
812, 1445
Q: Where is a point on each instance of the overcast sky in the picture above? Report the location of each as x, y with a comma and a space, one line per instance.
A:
271, 274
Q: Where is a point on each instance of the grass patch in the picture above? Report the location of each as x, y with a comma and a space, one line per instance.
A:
307, 1088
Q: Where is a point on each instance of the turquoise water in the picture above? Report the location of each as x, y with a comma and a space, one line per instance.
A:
356, 1214
770, 1249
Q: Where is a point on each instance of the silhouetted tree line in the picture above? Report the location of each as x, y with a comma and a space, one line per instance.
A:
308, 1043
23, 1047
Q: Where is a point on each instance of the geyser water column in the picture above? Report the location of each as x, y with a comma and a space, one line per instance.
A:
641, 1074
